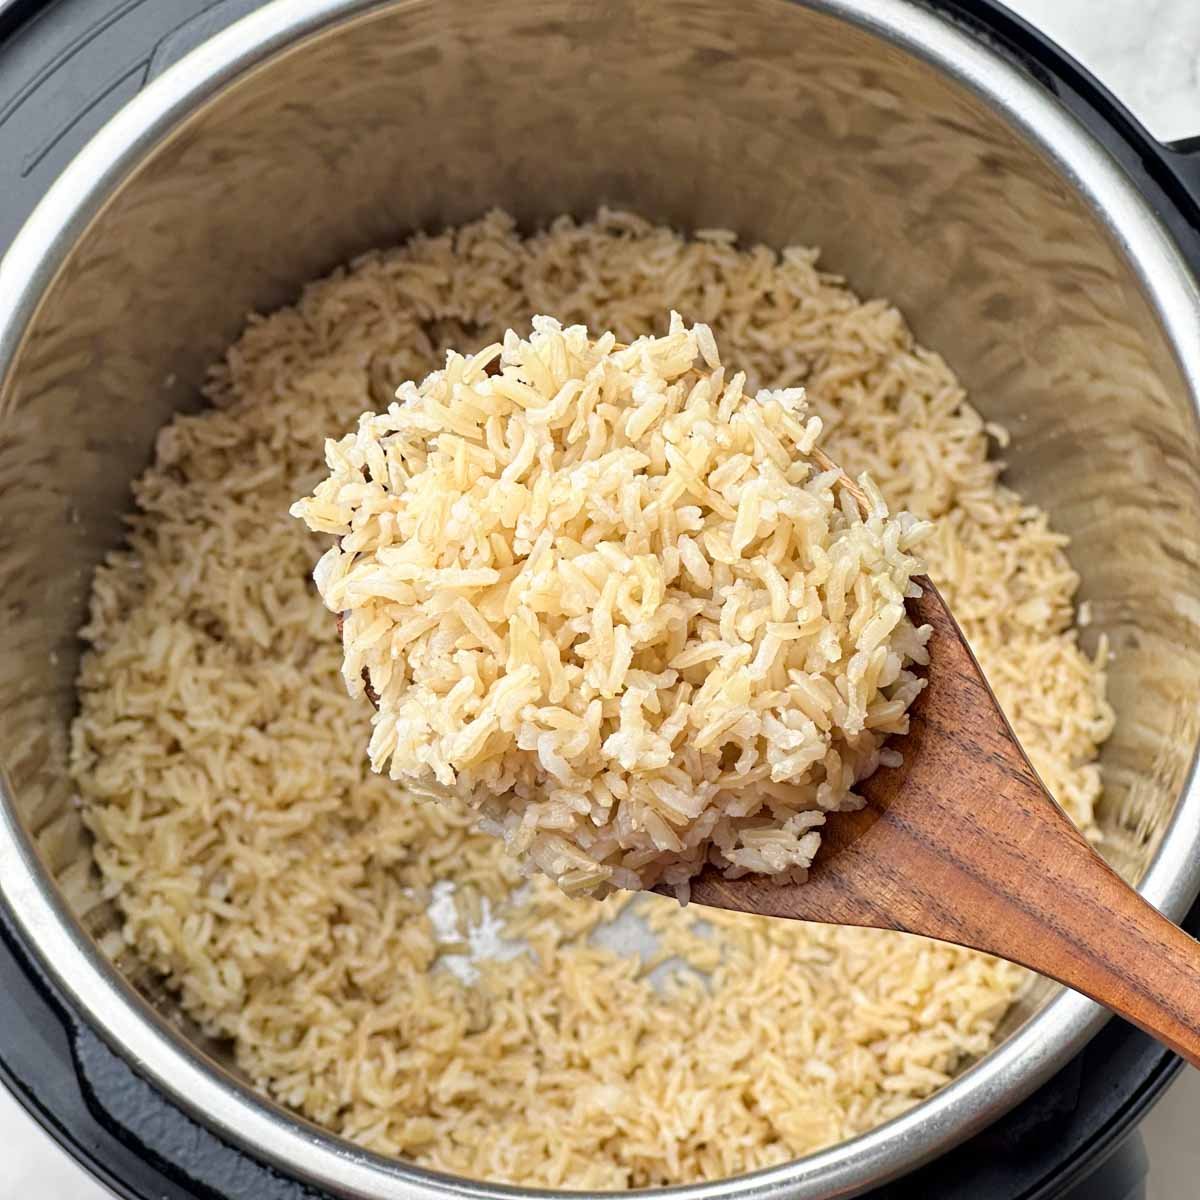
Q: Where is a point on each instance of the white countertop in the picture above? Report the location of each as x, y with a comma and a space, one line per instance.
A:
1148, 53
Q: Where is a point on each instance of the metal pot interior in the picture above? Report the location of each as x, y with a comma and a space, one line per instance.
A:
787, 123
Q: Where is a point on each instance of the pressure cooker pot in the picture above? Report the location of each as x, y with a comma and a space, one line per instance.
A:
1026, 227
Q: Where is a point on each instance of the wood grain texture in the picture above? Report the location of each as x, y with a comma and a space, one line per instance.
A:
963, 843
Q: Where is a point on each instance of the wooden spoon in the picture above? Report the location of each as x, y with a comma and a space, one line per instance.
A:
963, 843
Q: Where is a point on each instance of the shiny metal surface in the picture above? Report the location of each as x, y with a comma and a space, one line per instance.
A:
929, 170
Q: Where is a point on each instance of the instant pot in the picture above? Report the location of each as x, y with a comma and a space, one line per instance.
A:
943, 154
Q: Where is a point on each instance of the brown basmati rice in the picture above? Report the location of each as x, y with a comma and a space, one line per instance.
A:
609, 601
320, 919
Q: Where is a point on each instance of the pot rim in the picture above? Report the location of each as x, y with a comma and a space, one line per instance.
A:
206, 1091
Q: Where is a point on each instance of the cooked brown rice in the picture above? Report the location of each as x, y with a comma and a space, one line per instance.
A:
374, 962
609, 600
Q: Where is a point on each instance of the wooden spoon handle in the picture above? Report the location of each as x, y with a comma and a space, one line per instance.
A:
1084, 926
1002, 868
962, 843
992, 862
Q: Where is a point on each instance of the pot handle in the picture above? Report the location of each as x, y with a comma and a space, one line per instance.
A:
1171, 166
1183, 159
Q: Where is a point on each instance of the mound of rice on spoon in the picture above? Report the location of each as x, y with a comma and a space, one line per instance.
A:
618, 607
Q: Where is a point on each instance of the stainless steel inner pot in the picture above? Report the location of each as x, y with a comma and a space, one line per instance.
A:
929, 170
